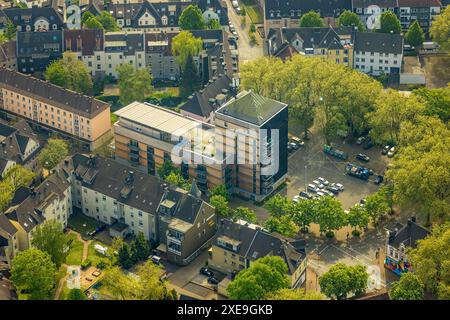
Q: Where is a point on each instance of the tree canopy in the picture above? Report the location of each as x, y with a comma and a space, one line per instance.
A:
33, 274
436, 101
311, 19
19, 176
294, 294
409, 287
350, 19
134, 84
440, 29
192, 19
53, 153
184, 45
389, 23
264, 276
49, 237
70, 73
415, 35
341, 280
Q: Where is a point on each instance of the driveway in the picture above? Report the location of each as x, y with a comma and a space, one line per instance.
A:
246, 50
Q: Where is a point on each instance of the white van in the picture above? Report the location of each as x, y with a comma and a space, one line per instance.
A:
155, 259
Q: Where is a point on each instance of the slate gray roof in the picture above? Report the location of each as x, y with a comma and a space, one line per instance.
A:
251, 107
6, 225
89, 40
296, 8
408, 234
256, 243
378, 42
134, 42
52, 94
42, 44
28, 16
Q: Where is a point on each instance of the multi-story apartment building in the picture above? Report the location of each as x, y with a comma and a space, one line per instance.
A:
55, 109
335, 44
132, 202
376, 53
51, 200
424, 11
287, 13
233, 150
238, 244
255, 132
369, 9
147, 135
158, 56
34, 19
398, 240
18, 145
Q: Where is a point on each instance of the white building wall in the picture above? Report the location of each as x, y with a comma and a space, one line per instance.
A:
376, 62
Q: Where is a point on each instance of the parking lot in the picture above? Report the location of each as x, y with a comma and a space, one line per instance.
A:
310, 162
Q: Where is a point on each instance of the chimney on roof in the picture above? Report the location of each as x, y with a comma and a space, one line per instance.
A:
413, 219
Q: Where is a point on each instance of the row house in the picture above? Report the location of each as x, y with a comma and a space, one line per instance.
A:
34, 19
238, 244
334, 44
129, 202
29, 208
55, 109
146, 136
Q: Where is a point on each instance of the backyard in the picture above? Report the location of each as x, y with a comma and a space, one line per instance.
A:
75, 255
253, 11
83, 224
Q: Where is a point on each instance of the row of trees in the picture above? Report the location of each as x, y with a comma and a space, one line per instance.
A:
130, 254
287, 217
192, 19
103, 21
219, 197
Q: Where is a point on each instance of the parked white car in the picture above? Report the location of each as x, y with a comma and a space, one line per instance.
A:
323, 181
235, 4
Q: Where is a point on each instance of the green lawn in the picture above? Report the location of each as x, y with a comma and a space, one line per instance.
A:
83, 224
96, 257
255, 14
75, 255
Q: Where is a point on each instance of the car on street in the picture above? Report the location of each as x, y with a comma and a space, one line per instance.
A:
339, 186
363, 157
318, 184
289, 148
235, 4
385, 150
320, 194
206, 272
296, 198
379, 179
293, 145
327, 192
212, 280
238, 10
298, 141
155, 259
333, 189
312, 188
361, 140
391, 152
305, 195
323, 181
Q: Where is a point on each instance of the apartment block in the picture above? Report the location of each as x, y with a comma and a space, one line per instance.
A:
55, 109
424, 11
238, 244
131, 202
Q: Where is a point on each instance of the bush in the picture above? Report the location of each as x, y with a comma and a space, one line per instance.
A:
101, 265
329, 234
356, 233
86, 264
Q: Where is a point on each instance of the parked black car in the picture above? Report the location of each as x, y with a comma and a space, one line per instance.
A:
363, 157
212, 280
206, 272
379, 179
304, 194
334, 190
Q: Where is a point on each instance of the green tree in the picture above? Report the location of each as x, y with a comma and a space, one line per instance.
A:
389, 23
49, 237
86, 16
431, 262
70, 73
177, 179
125, 256
415, 35
420, 172
341, 280
282, 225
76, 294
376, 206
294, 294
220, 204
349, 19
190, 81
219, 190
311, 19
329, 214
409, 287
214, 24
6, 194
277, 205
357, 217
107, 21
142, 247
440, 29
391, 110
184, 45
33, 274
192, 19
303, 213
265, 275
10, 31
436, 101
165, 169
53, 153
134, 84
243, 213
93, 23
19, 176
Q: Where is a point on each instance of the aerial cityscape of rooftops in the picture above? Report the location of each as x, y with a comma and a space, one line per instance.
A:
224, 150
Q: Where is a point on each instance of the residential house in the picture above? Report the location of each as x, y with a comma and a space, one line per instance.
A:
398, 241
238, 244
370, 9
34, 19
334, 44
55, 109
18, 145
424, 11
132, 202
377, 53
287, 13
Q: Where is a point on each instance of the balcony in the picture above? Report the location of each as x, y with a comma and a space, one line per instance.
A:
173, 247
133, 147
